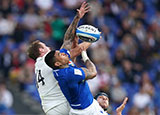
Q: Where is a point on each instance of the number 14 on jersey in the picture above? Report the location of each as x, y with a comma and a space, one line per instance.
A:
40, 78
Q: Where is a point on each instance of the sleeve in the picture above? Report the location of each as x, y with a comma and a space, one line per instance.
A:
76, 74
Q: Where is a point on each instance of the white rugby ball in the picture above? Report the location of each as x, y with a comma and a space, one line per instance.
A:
88, 33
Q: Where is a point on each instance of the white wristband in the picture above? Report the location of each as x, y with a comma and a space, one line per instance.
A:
84, 56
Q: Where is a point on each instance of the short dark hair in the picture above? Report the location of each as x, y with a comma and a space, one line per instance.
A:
33, 50
50, 59
100, 94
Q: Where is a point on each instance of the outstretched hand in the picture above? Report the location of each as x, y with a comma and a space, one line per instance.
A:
122, 106
83, 9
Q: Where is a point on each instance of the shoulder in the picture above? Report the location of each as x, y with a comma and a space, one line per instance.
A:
78, 71
63, 72
69, 70
73, 71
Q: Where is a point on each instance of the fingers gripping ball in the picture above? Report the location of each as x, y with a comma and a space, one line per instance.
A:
88, 33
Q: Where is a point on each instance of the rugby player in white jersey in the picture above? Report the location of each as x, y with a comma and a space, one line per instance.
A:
52, 99
103, 100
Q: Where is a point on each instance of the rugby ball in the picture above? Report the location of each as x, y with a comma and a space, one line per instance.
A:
88, 33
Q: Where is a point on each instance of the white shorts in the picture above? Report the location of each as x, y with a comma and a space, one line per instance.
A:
93, 109
62, 109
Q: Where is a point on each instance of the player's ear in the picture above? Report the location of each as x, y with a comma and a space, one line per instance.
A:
57, 64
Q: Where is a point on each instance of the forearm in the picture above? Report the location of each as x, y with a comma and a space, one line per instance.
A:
84, 45
70, 33
91, 71
79, 48
91, 67
75, 51
119, 113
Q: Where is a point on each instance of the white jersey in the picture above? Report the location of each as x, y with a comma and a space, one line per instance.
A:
47, 85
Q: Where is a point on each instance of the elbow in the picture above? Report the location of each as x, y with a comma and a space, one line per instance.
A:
94, 74
91, 76
118, 113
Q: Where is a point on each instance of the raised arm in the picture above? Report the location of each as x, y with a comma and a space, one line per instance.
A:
90, 71
71, 31
77, 49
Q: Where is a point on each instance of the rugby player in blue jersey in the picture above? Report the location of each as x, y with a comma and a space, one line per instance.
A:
72, 81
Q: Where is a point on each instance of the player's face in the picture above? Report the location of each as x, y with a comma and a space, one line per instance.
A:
103, 101
62, 57
44, 48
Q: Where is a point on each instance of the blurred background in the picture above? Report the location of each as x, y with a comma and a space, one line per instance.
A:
127, 57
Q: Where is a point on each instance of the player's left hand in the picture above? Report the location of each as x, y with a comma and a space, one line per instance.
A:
83, 9
122, 106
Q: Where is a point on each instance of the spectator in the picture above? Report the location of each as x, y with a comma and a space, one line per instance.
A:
6, 61
5, 8
146, 84
141, 99
44, 5
9, 25
119, 56
18, 34
133, 111
127, 72
58, 29
100, 57
31, 20
148, 111
118, 89
6, 97
127, 44
72, 4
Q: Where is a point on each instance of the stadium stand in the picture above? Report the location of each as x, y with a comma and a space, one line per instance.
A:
127, 57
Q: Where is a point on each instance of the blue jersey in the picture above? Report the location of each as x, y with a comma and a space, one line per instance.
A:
73, 86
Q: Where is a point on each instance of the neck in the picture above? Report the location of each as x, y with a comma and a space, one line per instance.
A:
63, 66
42, 54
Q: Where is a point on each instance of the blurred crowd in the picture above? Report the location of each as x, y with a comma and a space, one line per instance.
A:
127, 57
